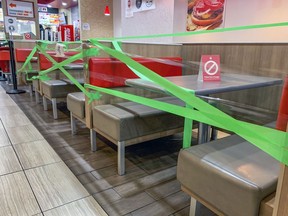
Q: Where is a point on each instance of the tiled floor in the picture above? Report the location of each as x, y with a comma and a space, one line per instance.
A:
33, 178
149, 186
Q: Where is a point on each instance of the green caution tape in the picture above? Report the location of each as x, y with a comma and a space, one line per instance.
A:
272, 141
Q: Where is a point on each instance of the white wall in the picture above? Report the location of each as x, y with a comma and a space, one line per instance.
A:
150, 22
242, 13
170, 17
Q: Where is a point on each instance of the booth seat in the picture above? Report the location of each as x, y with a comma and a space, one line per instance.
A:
4, 59
125, 123
21, 55
59, 86
230, 176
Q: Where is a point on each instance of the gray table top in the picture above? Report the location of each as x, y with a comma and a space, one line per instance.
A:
229, 82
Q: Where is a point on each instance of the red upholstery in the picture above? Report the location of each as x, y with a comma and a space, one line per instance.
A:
22, 54
69, 54
4, 59
45, 63
107, 72
282, 119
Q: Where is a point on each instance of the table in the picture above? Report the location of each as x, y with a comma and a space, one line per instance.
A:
228, 83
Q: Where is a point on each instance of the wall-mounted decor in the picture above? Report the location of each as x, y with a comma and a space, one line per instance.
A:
132, 6
205, 14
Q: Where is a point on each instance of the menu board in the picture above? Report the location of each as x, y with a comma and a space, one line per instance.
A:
48, 19
20, 9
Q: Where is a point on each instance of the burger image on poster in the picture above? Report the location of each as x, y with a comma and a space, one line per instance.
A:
205, 14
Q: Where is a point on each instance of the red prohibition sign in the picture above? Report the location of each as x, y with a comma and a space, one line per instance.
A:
211, 67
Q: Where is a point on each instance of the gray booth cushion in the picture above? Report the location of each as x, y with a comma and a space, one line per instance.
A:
128, 120
229, 173
57, 88
76, 104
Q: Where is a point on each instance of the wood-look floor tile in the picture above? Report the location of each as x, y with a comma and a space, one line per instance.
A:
22, 134
35, 154
16, 196
107, 196
86, 178
146, 182
157, 164
132, 172
164, 189
156, 208
97, 186
128, 204
165, 206
4, 140
84, 207
183, 212
15, 120
55, 185
8, 161
178, 200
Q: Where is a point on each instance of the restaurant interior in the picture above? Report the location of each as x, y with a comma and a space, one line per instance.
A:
135, 107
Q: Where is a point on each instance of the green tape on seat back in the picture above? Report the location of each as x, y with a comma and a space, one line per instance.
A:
274, 142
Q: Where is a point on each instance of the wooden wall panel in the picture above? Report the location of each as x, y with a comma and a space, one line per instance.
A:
255, 59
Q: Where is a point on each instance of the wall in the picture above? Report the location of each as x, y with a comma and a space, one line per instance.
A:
241, 13
253, 59
170, 17
156, 21
92, 12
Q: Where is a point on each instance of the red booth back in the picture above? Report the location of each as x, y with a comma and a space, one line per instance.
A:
107, 72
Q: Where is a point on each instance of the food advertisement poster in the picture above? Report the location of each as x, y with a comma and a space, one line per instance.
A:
205, 14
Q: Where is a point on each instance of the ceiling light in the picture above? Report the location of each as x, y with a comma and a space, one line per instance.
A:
64, 3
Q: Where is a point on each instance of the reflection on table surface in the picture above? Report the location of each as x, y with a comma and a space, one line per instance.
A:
229, 82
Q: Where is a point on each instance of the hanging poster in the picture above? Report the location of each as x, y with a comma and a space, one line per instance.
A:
205, 14
143, 5
133, 6
128, 6
20, 9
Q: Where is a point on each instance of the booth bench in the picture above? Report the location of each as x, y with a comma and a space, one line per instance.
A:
5, 60
58, 87
230, 176
125, 123
21, 55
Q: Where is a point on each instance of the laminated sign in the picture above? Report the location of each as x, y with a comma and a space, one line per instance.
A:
209, 68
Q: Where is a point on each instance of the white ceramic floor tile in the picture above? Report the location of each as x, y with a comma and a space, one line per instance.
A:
4, 140
15, 120
83, 207
16, 196
55, 185
22, 134
8, 161
37, 153
9, 110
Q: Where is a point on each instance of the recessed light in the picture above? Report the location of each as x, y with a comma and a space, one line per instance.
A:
64, 3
